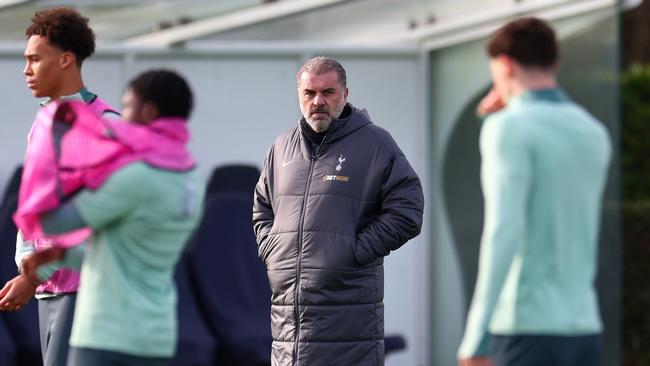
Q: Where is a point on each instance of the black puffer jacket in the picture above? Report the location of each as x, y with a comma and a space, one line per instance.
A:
324, 218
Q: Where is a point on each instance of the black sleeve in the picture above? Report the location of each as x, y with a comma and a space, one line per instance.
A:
401, 213
263, 215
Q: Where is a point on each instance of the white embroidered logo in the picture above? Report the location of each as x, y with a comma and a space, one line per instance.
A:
341, 160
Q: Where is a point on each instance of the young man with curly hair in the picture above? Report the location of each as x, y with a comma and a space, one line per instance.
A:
59, 40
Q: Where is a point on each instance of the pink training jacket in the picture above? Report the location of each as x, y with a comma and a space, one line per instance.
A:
66, 280
71, 147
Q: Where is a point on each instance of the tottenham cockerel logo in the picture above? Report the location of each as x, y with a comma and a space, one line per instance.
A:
341, 161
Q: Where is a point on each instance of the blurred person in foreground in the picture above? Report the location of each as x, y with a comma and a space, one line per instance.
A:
141, 215
544, 168
336, 195
59, 40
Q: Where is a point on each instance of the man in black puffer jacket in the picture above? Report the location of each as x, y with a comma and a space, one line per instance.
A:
335, 196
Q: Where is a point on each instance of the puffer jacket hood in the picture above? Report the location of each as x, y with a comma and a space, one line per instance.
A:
324, 218
342, 127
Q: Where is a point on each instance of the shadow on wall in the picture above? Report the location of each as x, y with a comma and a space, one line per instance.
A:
462, 192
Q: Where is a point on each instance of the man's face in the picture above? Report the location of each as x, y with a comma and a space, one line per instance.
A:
322, 99
134, 110
131, 107
43, 68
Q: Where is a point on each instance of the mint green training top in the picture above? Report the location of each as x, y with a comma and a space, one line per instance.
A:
141, 217
544, 167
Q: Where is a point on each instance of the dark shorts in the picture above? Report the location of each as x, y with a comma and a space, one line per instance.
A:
545, 350
87, 356
55, 322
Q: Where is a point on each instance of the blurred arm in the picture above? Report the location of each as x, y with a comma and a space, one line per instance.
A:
505, 177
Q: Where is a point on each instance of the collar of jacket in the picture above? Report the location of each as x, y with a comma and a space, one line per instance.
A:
83, 94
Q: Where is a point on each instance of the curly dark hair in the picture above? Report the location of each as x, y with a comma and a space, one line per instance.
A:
166, 89
66, 29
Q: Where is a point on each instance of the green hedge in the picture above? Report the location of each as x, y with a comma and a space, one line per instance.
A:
635, 181
635, 135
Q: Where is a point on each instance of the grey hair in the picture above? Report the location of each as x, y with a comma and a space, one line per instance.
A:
321, 65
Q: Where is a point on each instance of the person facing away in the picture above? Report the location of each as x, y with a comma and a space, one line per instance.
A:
336, 195
59, 40
141, 217
544, 168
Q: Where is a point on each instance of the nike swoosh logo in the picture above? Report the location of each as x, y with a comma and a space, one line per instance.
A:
287, 163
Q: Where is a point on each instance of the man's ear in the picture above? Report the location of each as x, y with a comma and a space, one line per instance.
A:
67, 59
149, 112
509, 65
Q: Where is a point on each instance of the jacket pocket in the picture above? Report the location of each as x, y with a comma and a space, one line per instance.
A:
364, 255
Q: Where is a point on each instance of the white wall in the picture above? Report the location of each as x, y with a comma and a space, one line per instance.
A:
19, 109
243, 101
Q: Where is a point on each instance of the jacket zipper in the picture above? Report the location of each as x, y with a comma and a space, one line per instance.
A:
296, 311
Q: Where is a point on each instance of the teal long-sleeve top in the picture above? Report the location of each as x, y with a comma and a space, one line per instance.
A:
543, 171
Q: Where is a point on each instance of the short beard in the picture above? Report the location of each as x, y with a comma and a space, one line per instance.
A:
322, 125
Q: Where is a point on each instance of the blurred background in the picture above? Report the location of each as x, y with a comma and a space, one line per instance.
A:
419, 67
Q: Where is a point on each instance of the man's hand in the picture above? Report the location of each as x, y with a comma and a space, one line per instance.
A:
30, 264
490, 103
16, 293
475, 361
